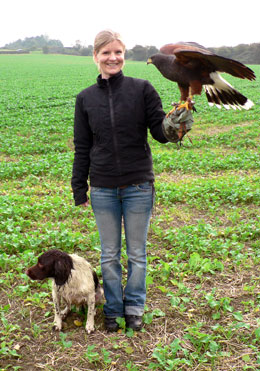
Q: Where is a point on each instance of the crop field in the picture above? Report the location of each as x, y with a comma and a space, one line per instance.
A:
203, 296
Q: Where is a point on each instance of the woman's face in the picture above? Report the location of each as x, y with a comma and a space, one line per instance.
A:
110, 59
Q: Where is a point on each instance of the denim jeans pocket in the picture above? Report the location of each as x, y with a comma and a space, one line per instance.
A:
94, 189
144, 187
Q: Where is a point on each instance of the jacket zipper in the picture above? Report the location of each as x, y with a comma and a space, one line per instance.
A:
113, 124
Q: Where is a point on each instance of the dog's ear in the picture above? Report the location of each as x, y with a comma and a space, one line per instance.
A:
62, 270
95, 277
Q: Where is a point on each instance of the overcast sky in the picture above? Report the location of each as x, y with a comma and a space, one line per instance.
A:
144, 22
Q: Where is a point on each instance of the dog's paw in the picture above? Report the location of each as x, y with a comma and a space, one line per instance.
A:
56, 328
64, 313
90, 328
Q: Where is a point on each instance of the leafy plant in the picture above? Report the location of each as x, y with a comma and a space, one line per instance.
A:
92, 355
63, 342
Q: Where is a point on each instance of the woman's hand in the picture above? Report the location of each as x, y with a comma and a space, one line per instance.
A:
85, 204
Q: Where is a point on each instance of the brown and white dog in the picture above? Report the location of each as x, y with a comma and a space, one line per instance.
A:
74, 282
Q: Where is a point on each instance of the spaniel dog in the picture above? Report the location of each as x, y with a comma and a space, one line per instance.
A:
74, 281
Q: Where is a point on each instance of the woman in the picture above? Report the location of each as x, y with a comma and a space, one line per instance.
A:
111, 148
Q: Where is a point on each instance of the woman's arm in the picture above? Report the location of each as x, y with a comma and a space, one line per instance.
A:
83, 141
154, 113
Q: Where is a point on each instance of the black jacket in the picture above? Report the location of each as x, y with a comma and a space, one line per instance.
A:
110, 133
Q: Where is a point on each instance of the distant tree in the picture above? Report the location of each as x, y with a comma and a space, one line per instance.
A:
90, 48
129, 54
78, 45
139, 53
87, 51
255, 49
33, 43
45, 49
152, 50
226, 52
56, 43
244, 53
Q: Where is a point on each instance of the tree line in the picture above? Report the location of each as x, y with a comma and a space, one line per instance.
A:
245, 53
33, 43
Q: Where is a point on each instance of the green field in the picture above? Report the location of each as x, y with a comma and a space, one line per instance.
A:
203, 302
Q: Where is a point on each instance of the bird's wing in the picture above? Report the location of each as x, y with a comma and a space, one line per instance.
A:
187, 52
173, 48
178, 50
220, 64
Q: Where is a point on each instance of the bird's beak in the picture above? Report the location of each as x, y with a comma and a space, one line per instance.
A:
149, 60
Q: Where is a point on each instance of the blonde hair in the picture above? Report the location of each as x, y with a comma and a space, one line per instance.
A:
105, 37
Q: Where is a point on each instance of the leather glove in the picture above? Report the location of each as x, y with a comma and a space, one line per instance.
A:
176, 124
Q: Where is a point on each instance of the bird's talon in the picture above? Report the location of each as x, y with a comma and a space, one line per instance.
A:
171, 111
175, 106
186, 105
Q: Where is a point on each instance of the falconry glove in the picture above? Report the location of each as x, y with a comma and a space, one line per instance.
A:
177, 124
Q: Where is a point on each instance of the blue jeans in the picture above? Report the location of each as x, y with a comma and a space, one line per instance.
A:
133, 205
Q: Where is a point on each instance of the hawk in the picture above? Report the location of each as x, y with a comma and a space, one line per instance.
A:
193, 66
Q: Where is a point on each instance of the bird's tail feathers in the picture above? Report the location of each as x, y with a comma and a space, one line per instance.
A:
222, 93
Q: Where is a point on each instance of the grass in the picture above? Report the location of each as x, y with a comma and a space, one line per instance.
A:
203, 303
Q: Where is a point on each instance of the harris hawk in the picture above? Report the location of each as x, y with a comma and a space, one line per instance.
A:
193, 66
